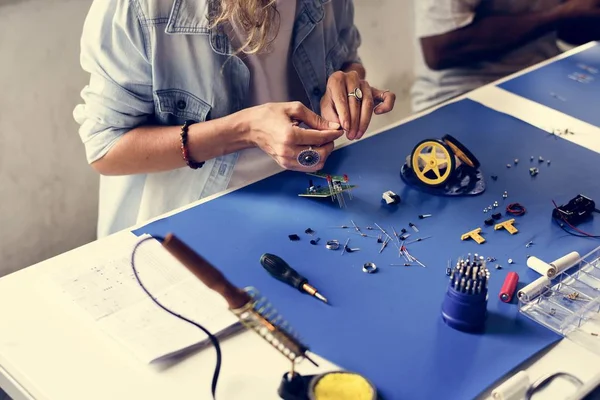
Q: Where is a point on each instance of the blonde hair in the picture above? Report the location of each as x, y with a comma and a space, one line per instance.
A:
258, 20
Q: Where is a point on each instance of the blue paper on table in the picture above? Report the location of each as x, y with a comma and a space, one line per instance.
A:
388, 325
570, 85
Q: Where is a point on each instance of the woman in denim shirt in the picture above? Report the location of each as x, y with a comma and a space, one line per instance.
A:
253, 84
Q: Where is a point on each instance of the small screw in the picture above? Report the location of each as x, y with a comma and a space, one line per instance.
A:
498, 266
423, 216
508, 165
510, 261
531, 158
540, 159
529, 244
370, 228
505, 195
485, 210
516, 160
315, 241
548, 162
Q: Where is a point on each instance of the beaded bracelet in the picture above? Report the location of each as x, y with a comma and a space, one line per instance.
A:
185, 153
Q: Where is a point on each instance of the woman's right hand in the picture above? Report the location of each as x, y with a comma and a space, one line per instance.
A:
274, 127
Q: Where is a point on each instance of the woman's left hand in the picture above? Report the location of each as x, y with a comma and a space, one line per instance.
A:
351, 101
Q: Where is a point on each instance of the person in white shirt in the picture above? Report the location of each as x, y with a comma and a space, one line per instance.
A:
465, 44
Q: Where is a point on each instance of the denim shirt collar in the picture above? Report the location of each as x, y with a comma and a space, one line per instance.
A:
196, 17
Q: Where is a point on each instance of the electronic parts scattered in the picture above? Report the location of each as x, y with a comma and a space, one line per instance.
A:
508, 225
309, 231
508, 166
337, 187
529, 244
516, 161
497, 216
390, 197
576, 211
413, 226
498, 266
332, 245
509, 287
418, 239
294, 237
369, 268
510, 261
494, 177
505, 195
465, 304
423, 216
314, 242
534, 171
345, 246
475, 235
489, 221
515, 209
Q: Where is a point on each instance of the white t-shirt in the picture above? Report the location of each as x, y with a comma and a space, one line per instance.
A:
436, 17
272, 78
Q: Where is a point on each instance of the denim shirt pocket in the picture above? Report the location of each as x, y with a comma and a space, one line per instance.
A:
175, 106
336, 57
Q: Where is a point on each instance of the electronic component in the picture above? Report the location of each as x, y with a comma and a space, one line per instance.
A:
576, 211
465, 304
508, 287
555, 267
294, 237
508, 225
337, 186
475, 235
390, 197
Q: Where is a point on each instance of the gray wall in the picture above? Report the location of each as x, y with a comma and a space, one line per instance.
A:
48, 193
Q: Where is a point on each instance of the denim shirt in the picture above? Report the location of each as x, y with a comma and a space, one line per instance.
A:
158, 62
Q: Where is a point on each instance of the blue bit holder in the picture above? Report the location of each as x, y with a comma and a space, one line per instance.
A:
465, 312
465, 304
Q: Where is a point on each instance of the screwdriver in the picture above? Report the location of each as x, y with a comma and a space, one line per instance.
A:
281, 271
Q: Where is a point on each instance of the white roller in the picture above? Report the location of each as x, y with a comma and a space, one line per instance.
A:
532, 290
555, 267
514, 388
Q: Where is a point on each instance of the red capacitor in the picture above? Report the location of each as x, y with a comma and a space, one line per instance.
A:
508, 287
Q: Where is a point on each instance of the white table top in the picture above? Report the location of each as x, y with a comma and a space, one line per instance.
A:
48, 350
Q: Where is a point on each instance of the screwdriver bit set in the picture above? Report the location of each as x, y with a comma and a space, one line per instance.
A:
465, 304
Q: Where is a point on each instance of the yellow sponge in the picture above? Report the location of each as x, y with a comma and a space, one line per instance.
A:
342, 385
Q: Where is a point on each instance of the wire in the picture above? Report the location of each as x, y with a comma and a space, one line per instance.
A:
212, 338
582, 233
515, 209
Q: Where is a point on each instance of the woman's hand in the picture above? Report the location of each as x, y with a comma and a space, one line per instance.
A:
274, 127
341, 102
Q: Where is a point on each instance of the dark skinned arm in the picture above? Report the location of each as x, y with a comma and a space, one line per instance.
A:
487, 38
580, 32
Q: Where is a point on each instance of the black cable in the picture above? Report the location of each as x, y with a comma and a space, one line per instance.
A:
212, 338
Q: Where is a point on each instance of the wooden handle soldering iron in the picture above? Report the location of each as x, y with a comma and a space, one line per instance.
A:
203, 270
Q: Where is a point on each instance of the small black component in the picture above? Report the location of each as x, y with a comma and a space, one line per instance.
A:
489, 221
390, 197
495, 177
403, 230
497, 216
315, 241
576, 211
294, 237
379, 240
294, 388
309, 231
403, 237
448, 271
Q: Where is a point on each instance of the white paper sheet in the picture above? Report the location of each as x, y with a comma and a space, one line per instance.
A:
107, 289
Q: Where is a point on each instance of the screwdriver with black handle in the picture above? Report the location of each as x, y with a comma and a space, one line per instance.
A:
281, 271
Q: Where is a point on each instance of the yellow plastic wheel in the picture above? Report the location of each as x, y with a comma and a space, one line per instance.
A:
433, 162
461, 151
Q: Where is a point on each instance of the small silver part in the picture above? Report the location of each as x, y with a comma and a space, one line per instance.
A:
462, 284
510, 261
540, 159
548, 162
349, 250
355, 227
508, 165
498, 266
485, 210
531, 158
516, 160
413, 226
369, 268
529, 244
369, 228
332, 244
505, 194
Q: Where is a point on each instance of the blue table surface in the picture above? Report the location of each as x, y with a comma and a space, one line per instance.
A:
387, 325
551, 86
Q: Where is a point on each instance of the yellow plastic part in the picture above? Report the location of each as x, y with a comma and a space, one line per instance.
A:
475, 235
508, 225
431, 155
343, 386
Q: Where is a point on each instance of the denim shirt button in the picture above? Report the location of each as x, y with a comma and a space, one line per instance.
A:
181, 105
317, 91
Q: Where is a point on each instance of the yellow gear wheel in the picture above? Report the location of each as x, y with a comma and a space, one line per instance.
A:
461, 151
433, 162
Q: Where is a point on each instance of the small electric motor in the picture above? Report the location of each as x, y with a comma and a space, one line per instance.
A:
443, 166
